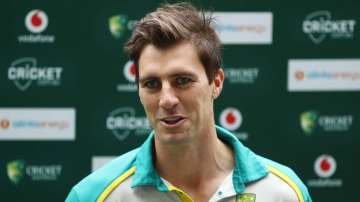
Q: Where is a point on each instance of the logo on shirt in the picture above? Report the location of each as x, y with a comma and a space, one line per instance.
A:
319, 24
246, 197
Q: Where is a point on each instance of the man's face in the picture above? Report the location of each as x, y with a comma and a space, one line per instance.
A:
175, 92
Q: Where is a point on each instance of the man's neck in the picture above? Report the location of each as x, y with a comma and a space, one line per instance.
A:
198, 167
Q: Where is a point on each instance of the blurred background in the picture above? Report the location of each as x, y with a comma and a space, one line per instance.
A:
68, 101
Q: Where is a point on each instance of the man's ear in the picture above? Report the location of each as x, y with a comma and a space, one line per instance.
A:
218, 83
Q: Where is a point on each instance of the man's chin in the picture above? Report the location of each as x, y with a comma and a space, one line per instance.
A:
173, 138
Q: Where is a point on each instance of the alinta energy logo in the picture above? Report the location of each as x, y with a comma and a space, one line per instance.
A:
28, 124
312, 121
337, 74
123, 122
231, 119
59, 125
241, 75
244, 27
36, 22
129, 72
119, 25
17, 170
325, 167
319, 24
24, 71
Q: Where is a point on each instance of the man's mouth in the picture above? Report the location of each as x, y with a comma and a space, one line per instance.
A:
172, 120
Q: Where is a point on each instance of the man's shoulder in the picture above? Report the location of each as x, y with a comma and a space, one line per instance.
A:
286, 181
90, 188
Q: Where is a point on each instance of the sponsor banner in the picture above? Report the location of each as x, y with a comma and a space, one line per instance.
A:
98, 161
320, 25
123, 122
232, 119
37, 124
36, 22
244, 27
129, 72
250, 75
19, 170
25, 72
325, 167
120, 24
323, 75
241, 75
312, 121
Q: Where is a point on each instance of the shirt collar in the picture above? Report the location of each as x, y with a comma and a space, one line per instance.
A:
247, 167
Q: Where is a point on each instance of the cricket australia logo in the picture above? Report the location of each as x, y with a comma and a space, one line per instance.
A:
246, 197
16, 171
123, 122
19, 79
24, 71
319, 24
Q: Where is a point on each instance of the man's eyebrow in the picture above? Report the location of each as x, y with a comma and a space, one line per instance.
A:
175, 74
182, 74
146, 78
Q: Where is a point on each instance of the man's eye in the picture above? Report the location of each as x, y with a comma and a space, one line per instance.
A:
183, 80
151, 84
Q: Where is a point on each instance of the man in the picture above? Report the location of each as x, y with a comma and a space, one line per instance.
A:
187, 157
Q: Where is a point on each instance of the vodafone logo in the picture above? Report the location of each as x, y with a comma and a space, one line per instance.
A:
130, 71
231, 118
325, 166
36, 21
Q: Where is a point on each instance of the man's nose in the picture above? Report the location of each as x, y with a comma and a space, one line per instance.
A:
168, 97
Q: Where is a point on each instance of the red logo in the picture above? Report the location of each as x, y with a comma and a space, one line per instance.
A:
130, 71
36, 21
230, 118
325, 166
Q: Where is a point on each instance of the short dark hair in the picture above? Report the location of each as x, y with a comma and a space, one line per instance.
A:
171, 24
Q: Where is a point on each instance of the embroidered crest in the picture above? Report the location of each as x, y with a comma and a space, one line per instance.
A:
245, 197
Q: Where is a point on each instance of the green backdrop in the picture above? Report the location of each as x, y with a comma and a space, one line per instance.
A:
93, 83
